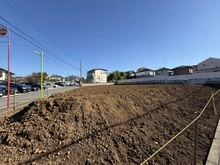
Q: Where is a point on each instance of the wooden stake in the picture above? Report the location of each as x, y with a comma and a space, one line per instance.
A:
213, 101
14, 108
195, 142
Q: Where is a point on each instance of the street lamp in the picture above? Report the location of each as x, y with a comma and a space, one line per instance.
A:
41, 73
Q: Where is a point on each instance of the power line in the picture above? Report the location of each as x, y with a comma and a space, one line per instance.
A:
41, 30
41, 46
44, 49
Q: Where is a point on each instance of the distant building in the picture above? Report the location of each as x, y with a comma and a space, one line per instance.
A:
209, 65
4, 74
182, 70
163, 72
145, 73
55, 77
130, 74
98, 75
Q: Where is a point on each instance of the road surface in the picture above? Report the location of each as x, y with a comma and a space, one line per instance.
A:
22, 99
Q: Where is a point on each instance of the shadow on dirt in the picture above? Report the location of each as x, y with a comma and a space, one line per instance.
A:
18, 116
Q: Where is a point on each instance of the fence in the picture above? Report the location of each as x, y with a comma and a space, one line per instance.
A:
197, 78
193, 122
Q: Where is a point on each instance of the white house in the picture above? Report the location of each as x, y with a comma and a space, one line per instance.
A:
163, 72
55, 77
98, 75
145, 73
4, 74
209, 65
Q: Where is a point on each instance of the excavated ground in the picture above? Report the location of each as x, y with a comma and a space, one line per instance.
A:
105, 125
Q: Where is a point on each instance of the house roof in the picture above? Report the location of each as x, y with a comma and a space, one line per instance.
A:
185, 66
162, 69
208, 59
6, 71
130, 71
97, 69
55, 75
145, 70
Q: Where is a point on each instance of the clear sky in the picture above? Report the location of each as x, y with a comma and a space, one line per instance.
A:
111, 34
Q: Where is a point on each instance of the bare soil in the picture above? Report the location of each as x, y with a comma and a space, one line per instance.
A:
105, 125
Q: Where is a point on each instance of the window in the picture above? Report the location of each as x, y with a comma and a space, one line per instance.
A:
212, 63
0, 74
203, 64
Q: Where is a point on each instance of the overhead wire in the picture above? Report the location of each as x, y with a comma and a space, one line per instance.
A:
12, 43
44, 49
40, 29
36, 42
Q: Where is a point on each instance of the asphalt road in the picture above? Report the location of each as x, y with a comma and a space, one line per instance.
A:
22, 99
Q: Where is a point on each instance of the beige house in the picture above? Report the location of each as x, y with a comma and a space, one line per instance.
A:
98, 75
209, 65
4, 74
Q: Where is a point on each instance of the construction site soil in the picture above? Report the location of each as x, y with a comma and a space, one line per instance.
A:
111, 125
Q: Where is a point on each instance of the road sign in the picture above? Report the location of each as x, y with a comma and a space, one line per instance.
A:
3, 31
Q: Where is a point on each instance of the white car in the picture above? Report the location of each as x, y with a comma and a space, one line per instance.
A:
55, 85
51, 85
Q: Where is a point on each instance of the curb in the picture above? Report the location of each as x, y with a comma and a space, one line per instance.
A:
214, 153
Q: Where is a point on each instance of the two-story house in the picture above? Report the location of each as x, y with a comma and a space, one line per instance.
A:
4, 74
209, 65
145, 73
98, 75
183, 70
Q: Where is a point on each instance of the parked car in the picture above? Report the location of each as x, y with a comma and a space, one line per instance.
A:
33, 86
3, 89
59, 83
51, 85
1, 92
12, 89
43, 86
21, 87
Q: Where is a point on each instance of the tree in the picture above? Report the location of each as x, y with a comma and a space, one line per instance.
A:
36, 77
116, 75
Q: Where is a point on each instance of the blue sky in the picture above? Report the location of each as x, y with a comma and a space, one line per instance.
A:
111, 34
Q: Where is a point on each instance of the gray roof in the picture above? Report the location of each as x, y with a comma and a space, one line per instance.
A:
185, 66
145, 70
97, 69
162, 69
6, 71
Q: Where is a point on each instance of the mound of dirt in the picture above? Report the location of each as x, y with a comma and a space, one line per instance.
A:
111, 125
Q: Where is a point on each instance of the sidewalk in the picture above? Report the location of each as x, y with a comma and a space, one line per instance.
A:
214, 153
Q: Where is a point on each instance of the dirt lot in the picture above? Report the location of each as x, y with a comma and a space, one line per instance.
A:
105, 125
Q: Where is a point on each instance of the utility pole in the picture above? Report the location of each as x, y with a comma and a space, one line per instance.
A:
41, 73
